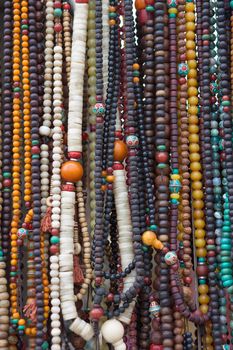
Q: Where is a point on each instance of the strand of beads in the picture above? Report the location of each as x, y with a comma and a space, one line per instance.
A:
6, 164
16, 171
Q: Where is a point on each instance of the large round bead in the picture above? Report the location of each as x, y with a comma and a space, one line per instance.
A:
71, 171
113, 331
170, 258
120, 151
148, 237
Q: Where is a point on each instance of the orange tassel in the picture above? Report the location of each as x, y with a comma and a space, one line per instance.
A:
46, 222
30, 311
78, 274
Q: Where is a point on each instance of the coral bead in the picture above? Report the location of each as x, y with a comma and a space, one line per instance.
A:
96, 313
71, 171
148, 237
120, 151
140, 4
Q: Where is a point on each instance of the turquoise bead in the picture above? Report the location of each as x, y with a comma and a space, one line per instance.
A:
58, 12
54, 239
228, 283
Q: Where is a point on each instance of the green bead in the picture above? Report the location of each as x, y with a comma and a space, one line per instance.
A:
231, 4
58, 12
230, 289
226, 271
35, 156
22, 327
175, 171
150, 8
145, 248
6, 174
13, 273
136, 73
161, 148
35, 142
226, 278
153, 227
226, 229
17, 89
228, 283
172, 15
112, 15
14, 321
54, 239
225, 247
202, 281
161, 165
24, 26
45, 345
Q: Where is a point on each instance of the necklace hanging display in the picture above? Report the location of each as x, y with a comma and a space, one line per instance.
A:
116, 167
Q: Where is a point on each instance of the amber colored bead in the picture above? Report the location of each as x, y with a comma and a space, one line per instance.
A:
140, 4
71, 171
148, 237
120, 151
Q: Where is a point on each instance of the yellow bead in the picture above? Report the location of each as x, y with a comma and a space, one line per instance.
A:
199, 233
200, 243
203, 289
201, 252
204, 308
175, 177
190, 17
196, 175
189, 7
193, 100
192, 64
148, 237
192, 73
192, 91
195, 166
190, 35
190, 44
194, 157
175, 195
198, 204
190, 26
173, 10
190, 54
199, 223
203, 299
157, 244
197, 194
194, 147
194, 138
193, 129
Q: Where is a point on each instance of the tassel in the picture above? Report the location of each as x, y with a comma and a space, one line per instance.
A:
78, 274
46, 222
30, 311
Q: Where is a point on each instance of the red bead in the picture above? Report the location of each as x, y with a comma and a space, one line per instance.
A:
226, 108
143, 16
28, 205
118, 166
96, 313
57, 5
35, 150
85, 136
118, 134
19, 242
58, 27
68, 187
147, 281
225, 98
16, 94
66, 6
213, 99
55, 232
99, 120
130, 130
75, 155
150, 2
183, 57
7, 183
188, 280
161, 157
110, 171
156, 347
202, 270
110, 297
25, 225
25, 32
54, 249
182, 81
24, 21
98, 281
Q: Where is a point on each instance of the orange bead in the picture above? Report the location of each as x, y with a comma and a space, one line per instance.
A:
120, 151
140, 4
148, 237
157, 244
71, 171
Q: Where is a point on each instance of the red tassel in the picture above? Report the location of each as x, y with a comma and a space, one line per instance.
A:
46, 222
78, 274
30, 311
